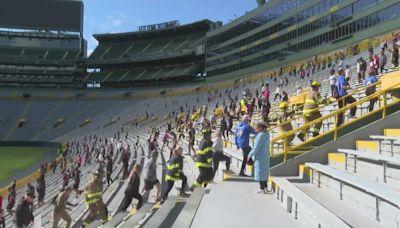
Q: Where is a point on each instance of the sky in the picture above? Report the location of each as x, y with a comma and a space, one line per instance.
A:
110, 16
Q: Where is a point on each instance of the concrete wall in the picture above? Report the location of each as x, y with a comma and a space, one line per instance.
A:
320, 154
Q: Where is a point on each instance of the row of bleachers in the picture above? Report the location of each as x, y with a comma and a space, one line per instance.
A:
12, 78
13, 54
140, 48
143, 73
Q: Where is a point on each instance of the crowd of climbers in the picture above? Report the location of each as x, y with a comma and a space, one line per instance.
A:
188, 121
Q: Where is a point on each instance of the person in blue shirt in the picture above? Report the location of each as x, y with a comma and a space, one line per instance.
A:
371, 79
342, 86
242, 135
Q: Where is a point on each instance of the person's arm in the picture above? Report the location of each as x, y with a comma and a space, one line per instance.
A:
252, 131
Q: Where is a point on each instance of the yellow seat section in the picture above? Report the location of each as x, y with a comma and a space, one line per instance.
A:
336, 158
392, 132
367, 145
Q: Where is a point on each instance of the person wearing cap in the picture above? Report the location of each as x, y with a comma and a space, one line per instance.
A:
150, 171
284, 122
242, 135
94, 200
61, 204
311, 110
260, 156
174, 173
204, 160
132, 191
24, 212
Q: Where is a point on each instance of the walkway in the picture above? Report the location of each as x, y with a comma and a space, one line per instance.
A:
235, 203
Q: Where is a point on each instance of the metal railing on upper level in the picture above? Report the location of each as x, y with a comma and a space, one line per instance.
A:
320, 108
280, 145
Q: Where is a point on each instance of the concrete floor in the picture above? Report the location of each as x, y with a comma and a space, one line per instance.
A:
235, 203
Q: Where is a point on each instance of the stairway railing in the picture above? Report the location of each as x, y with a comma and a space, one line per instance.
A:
280, 146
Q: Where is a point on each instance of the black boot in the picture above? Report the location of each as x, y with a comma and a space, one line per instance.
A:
301, 137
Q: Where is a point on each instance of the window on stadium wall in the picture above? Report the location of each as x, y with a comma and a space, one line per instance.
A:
267, 49
271, 14
308, 13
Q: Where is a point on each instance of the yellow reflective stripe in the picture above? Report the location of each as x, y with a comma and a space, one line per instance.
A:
204, 151
209, 160
92, 201
170, 178
201, 164
310, 101
172, 166
90, 195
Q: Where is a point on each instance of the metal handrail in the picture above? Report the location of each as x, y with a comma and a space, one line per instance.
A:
323, 106
330, 115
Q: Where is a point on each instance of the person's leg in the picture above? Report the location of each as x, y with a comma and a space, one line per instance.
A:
184, 182
304, 132
317, 126
170, 185
140, 200
263, 185
126, 201
245, 152
227, 161
103, 212
200, 178
340, 115
67, 219
350, 100
56, 219
158, 187
91, 216
216, 160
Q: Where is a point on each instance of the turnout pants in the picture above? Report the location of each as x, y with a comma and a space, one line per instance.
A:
57, 216
205, 176
317, 127
170, 185
96, 210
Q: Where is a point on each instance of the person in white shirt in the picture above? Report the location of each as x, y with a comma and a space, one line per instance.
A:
348, 72
298, 92
332, 81
218, 153
278, 93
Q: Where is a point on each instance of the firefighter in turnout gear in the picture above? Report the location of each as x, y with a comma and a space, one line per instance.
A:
284, 122
311, 110
174, 173
204, 160
94, 201
61, 207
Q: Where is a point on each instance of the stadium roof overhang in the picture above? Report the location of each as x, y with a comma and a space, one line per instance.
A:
199, 26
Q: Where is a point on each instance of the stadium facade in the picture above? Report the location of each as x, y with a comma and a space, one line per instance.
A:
155, 54
282, 32
41, 48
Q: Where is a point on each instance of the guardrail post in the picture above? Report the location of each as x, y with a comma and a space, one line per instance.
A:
284, 150
377, 209
335, 127
384, 105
